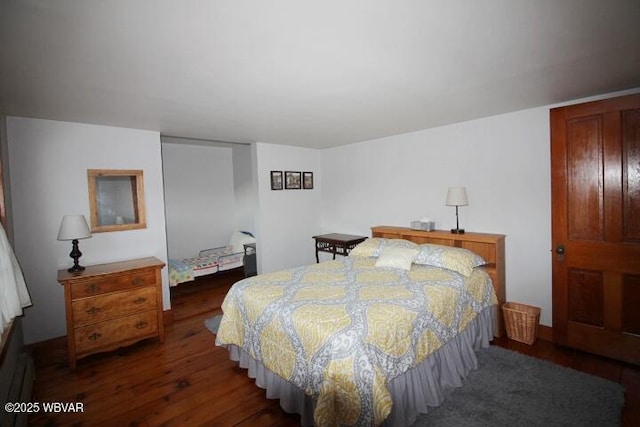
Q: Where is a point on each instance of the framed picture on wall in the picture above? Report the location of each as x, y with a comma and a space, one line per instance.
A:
292, 180
276, 180
307, 180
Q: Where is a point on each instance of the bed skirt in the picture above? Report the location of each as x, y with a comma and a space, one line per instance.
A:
412, 393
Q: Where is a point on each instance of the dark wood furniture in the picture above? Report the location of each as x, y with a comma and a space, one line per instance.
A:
112, 305
249, 260
335, 243
488, 246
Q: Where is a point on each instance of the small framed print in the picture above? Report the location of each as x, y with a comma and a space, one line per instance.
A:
307, 180
276, 180
292, 180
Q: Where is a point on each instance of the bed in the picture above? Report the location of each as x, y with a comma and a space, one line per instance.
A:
373, 338
210, 261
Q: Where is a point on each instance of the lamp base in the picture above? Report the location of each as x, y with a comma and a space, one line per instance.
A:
457, 230
75, 255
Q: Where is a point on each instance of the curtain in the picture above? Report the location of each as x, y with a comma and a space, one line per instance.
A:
14, 295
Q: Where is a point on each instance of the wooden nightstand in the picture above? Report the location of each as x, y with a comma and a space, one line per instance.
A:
112, 305
335, 243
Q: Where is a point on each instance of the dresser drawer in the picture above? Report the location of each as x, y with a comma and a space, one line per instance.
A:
109, 334
101, 285
113, 305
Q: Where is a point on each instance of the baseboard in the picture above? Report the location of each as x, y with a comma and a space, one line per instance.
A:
545, 333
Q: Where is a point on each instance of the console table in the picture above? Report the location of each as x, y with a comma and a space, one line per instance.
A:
335, 243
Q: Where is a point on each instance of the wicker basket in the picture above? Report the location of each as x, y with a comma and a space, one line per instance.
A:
521, 321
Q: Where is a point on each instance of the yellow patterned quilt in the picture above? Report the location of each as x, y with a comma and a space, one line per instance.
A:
340, 330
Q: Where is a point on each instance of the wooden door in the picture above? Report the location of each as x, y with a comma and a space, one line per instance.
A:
595, 167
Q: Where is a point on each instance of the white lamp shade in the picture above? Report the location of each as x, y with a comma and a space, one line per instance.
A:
73, 227
457, 196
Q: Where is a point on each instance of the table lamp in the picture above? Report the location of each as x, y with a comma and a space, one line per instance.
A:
457, 196
74, 228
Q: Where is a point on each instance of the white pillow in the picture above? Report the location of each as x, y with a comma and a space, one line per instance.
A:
238, 240
395, 257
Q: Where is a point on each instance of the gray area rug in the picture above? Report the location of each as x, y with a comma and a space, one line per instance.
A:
510, 389
213, 324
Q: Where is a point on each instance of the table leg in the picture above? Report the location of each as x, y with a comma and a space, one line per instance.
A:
317, 259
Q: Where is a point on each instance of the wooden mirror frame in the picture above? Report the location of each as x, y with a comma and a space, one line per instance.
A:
136, 220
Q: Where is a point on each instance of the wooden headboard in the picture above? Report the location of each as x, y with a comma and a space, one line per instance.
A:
488, 246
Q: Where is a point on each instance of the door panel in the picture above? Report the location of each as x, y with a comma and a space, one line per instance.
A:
586, 297
631, 175
584, 175
595, 163
631, 298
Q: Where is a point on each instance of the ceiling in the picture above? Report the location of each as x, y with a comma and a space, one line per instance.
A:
307, 73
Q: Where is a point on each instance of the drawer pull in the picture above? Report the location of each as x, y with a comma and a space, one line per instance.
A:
92, 289
141, 325
94, 336
138, 281
93, 310
139, 300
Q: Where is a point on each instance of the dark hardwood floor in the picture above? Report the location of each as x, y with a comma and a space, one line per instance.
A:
189, 381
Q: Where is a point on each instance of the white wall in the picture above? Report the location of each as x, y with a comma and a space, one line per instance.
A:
199, 197
246, 194
502, 160
286, 219
49, 162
